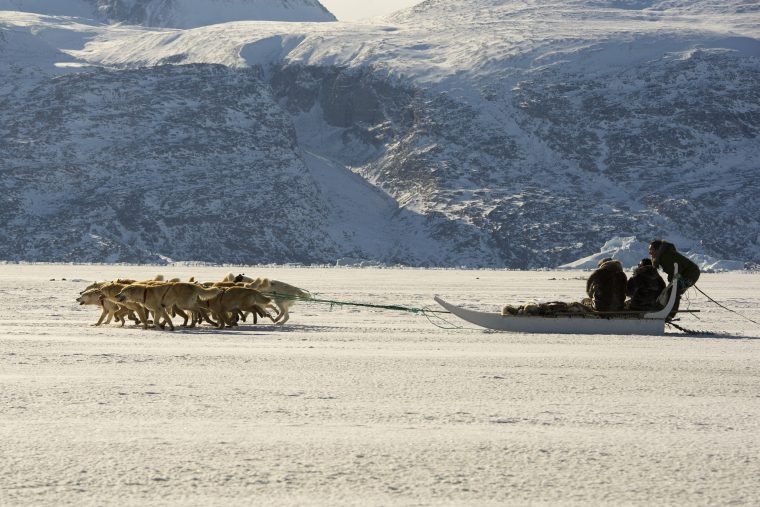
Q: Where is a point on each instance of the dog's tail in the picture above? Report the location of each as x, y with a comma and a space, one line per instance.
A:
285, 288
204, 294
303, 294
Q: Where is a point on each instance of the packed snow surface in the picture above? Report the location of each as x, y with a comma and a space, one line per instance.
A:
346, 405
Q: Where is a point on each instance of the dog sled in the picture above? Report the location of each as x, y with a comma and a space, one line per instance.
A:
627, 323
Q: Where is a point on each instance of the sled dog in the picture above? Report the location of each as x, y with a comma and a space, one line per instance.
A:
282, 294
157, 298
110, 309
231, 302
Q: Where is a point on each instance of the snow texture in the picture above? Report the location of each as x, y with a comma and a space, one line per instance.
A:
358, 406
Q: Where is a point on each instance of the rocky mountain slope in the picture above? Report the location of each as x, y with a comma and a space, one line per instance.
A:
426, 140
176, 13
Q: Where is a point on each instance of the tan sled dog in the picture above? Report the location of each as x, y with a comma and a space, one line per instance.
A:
157, 298
111, 291
233, 301
110, 309
283, 295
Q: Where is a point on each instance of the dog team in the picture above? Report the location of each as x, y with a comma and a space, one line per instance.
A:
222, 304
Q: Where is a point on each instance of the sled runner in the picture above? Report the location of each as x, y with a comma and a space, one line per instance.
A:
640, 323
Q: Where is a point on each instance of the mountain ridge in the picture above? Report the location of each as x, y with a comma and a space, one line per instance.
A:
176, 13
533, 149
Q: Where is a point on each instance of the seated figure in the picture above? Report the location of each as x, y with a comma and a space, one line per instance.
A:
606, 286
644, 287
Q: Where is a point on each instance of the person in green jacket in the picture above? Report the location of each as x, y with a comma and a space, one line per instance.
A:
664, 255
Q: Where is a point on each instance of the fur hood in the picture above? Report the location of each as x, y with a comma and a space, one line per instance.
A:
613, 265
649, 271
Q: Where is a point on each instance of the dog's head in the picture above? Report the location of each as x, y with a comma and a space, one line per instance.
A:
90, 297
239, 278
93, 285
130, 293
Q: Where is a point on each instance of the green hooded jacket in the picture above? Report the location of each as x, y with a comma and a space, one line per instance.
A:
667, 256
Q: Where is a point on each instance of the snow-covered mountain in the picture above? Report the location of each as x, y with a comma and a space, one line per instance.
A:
469, 132
176, 13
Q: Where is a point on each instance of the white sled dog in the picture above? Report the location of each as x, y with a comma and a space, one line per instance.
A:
283, 295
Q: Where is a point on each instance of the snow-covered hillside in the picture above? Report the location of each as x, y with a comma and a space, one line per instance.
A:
176, 13
523, 134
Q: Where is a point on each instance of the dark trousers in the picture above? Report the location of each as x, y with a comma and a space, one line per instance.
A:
683, 285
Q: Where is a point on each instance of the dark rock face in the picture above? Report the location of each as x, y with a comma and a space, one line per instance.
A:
155, 164
202, 163
177, 13
633, 160
170, 13
665, 134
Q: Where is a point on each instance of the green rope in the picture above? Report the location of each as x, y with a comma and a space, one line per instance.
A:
433, 316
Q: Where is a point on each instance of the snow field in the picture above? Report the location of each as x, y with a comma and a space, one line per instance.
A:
356, 406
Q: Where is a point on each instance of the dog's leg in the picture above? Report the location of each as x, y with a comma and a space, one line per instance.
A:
194, 319
257, 311
157, 315
178, 311
134, 318
207, 317
199, 315
111, 313
168, 320
102, 317
230, 319
283, 316
120, 314
221, 322
142, 313
161, 313
280, 315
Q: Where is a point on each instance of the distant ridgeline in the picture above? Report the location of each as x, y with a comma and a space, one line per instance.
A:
586, 128
176, 13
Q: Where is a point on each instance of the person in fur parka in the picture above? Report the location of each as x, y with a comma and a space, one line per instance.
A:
644, 287
606, 286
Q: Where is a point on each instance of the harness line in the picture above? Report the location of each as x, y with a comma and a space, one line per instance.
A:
430, 315
433, 316
333, 302
689, 331
729, 309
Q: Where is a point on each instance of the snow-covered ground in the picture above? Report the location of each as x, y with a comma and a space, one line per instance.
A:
356, 406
